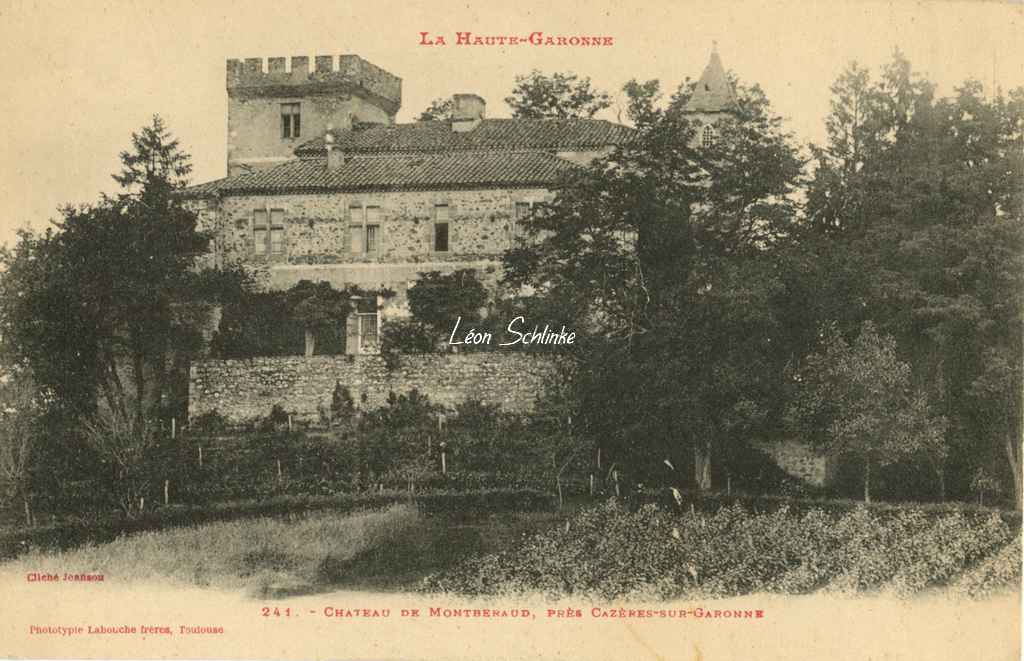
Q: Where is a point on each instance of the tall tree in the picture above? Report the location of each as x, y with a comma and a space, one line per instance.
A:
924, 194
95, 306
660, 252
558, 95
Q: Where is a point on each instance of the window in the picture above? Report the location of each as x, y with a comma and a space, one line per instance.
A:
441, 225
707, 137
365, 229
268, 231
367, 324
291, 120
519, 216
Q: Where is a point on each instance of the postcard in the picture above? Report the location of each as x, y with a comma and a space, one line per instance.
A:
485, 330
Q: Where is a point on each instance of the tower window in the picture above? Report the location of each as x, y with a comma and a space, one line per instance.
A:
291, 120
707, 137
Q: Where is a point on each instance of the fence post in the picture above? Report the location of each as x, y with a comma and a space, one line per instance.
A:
200, 456
278, 470
167, 491
615, 476
174, 427
591, 484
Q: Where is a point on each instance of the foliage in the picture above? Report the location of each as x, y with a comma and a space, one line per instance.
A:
107, 289
209, 422
438, 110
306, 318
922, 193
343, 407
318, 307
613, 553
856, 399
438, 299
129, 457
19, 431
1000, 572
558, 95
671, 261
405, 336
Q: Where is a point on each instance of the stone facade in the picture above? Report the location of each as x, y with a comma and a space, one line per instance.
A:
246, 389
319, 227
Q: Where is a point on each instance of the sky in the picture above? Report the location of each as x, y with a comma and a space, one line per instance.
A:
81, 78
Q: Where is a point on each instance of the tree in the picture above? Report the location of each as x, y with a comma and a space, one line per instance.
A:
923, 193
438, 110
19, 411
856, 400
97, 306
318, 306
665, 256
559, 96
438, 299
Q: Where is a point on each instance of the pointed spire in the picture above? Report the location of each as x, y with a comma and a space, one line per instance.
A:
714, 92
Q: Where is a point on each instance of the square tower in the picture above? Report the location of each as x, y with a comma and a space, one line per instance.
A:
272, 108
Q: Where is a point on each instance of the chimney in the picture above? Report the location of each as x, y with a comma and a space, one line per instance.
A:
467, 112
335, 156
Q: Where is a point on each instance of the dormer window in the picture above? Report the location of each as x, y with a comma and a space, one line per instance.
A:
291, 120
708, 137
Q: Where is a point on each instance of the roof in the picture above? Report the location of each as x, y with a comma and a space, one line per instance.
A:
396, 172
505, 134
714, 91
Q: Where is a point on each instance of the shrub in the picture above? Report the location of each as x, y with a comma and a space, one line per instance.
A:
405, 336
210, 422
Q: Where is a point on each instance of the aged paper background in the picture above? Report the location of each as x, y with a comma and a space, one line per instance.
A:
81, 77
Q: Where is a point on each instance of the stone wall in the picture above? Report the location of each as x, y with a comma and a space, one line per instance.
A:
245, 389
800, 461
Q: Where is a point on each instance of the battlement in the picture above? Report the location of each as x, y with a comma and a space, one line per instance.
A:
256, 76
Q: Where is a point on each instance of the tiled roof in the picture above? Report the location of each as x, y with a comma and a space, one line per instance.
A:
505, 134
397, 172
208, 189
714, 92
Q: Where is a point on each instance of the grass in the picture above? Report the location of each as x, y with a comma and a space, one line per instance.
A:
382, 549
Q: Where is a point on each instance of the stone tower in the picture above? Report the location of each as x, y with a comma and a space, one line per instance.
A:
274, 109
713, 97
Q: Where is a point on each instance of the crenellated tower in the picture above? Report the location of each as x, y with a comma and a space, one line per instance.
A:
273, 107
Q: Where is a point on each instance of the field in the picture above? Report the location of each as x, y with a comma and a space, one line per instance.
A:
605, 552
379, 549
609, 552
